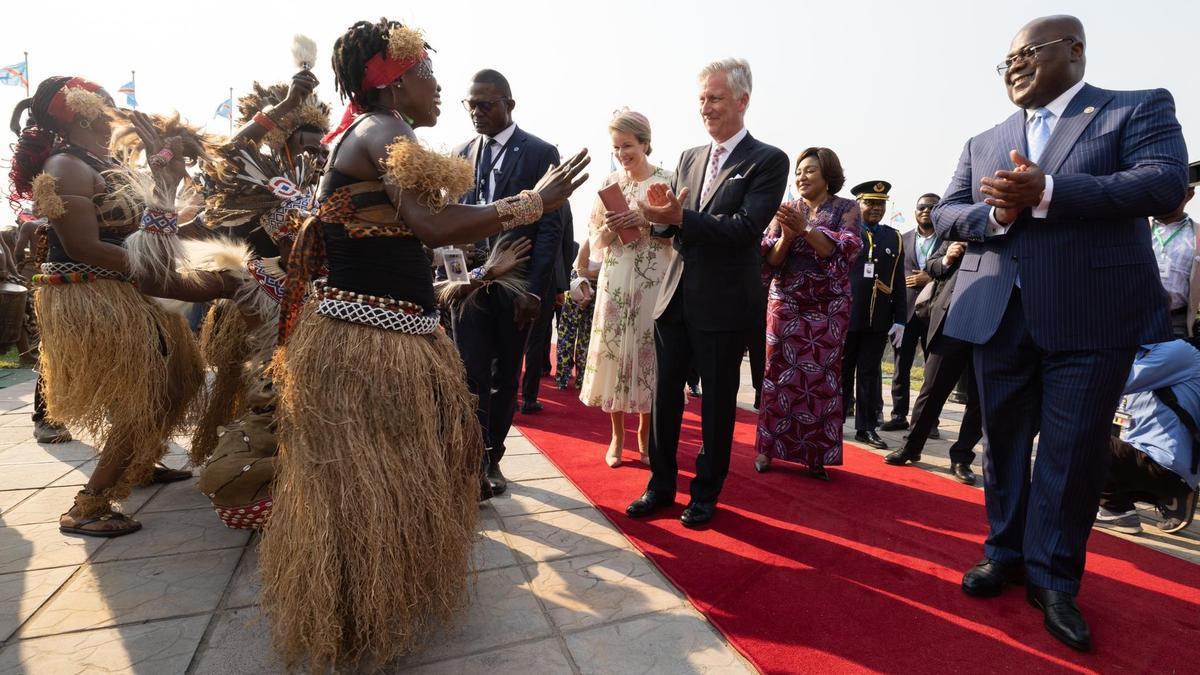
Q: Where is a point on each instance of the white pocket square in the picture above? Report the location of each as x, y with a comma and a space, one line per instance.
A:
737, 177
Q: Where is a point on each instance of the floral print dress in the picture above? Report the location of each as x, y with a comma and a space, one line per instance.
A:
808, 314
621, 367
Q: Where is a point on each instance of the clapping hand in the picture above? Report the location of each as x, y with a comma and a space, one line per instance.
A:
560, 181
917, 279
616, 221
1011, 192
662, 205
792, 221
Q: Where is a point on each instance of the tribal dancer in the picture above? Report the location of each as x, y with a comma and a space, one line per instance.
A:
375, 503
114, 363
260, 197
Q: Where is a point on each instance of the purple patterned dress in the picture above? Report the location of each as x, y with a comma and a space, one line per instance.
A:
808, 312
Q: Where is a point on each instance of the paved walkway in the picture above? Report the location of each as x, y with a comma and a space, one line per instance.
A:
558, 589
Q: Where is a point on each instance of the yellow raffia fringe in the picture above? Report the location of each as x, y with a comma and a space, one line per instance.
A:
85, 104
46, 202
369, 544
225, 343
307, 114
119, 367
440, 179
405, 43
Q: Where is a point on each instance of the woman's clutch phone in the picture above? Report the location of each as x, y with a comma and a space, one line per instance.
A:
614, 200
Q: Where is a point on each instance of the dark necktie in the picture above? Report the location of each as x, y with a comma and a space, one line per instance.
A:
485, 169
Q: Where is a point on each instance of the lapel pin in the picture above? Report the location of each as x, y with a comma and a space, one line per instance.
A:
1089, 110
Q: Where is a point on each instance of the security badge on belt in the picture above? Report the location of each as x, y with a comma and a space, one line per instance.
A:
1122, 418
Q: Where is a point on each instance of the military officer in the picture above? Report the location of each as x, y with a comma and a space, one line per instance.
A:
878, 311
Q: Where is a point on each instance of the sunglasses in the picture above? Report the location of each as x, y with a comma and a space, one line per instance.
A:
483, 106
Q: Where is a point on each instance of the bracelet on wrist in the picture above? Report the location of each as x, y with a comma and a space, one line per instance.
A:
266, 121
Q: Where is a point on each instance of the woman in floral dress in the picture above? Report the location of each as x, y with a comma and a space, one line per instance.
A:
808, 251
621, 369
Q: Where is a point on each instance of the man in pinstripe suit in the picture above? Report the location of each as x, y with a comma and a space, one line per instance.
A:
1058, 287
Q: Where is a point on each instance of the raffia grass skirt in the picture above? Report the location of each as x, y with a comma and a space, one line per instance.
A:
368, 547
225, 344
111, 360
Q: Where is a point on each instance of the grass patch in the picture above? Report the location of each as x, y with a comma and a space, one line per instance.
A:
10, 360
916, 375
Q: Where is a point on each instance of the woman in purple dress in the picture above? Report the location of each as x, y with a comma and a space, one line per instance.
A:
808, 251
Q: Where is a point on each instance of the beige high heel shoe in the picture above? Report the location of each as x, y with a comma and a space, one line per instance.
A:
613, 457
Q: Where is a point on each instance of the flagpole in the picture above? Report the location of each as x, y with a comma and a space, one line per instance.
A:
26, 74
231, 112
133, 79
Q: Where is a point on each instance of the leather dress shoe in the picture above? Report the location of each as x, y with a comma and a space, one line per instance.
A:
962, 473
902, 456
648, 503
485, 489
1063, 619
698, 513
935, 434
530, 407
496, 479
988, 578
895, 424
870, 438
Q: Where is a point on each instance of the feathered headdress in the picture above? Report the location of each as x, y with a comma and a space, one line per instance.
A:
312, 112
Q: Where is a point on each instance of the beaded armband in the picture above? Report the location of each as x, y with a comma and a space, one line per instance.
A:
518, 210
159, 222
264, 120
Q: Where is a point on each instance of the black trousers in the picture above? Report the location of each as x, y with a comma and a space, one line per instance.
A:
717, 356
537, 351
756, 344
1135, 477
946, 362
1042, 512
862, 376
914, 335
492, 348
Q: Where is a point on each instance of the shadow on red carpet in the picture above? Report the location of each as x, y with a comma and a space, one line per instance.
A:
862, 574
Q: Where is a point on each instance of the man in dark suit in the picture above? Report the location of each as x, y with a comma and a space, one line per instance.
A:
1057, 289
947, 360
919, 244
537, 350
878, 311
491, 334
724, 195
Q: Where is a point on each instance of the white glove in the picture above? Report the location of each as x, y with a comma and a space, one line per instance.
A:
896, 335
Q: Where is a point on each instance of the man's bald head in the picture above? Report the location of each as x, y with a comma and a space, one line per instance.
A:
1047, 58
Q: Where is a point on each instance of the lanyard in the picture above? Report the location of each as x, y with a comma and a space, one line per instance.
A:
871, 248
1162, 244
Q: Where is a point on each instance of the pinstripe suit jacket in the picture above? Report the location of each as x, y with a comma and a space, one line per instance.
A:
1087, 271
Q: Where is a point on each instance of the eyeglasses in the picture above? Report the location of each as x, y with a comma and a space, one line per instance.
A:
1027, 53
925, 207
485, 107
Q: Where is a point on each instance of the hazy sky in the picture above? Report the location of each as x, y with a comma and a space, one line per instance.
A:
894, 88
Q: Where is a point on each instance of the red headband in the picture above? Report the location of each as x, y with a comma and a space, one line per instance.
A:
58, 105
381, 71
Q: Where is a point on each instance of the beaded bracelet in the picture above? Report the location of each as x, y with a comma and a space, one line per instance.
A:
518, 210
264, 120
159, 222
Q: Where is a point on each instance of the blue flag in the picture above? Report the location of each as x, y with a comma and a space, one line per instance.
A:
15, 75
225, 109
130, 94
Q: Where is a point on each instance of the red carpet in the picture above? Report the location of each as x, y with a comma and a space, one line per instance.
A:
862, 574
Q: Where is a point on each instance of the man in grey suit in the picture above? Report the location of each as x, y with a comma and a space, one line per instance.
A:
1057, 289
724, 195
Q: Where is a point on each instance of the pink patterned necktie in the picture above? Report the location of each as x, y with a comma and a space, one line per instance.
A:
714, 165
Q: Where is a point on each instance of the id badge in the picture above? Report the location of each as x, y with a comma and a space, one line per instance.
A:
1164, 267
455, 265
869, 271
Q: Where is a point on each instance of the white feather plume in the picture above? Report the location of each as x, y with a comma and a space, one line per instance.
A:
304, 51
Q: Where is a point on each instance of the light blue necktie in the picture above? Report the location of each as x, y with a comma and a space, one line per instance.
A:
1039, 133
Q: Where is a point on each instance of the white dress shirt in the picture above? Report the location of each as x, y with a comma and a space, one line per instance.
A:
499, 144
1057, 108
728, 144
924, 246
1175, 247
